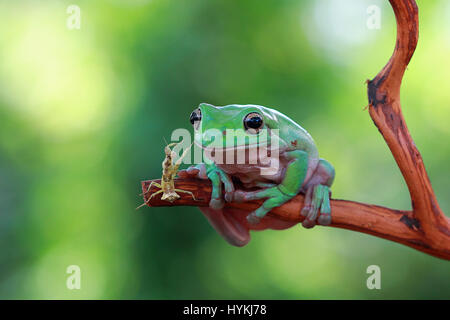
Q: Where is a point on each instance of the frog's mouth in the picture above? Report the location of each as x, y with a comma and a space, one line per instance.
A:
232, 224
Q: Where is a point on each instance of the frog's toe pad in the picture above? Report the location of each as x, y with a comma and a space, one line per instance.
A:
229, 196
253, 219
308, 224
216, 204
324, 219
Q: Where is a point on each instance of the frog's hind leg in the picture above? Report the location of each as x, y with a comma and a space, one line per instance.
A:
317, 196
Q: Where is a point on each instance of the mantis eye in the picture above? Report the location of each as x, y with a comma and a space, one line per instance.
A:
195, 118
253, 122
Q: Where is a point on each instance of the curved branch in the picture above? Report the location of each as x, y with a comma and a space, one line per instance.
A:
425, 228
386, 113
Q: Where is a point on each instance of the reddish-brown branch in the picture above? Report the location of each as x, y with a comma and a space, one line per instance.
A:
390, 224
425, 228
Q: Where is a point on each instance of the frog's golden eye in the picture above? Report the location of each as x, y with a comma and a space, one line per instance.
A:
196, 117
253, 122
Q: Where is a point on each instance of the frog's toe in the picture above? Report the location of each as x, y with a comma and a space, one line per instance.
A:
216, 204
310, 220
229, 196
317, 207
305, 211
325, 208
253, 219
243, 196
308, 224
307, 204
324, 219
192, 171
239, 196
198, 171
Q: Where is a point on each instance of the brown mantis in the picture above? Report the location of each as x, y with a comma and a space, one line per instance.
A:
167, 186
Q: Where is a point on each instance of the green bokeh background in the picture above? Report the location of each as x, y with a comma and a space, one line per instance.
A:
83, 114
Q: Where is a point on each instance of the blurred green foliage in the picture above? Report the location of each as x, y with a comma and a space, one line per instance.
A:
83, 114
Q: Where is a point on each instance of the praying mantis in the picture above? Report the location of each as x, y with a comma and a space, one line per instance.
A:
167, 186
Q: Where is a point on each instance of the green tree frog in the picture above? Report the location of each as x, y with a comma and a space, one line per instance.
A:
296, 168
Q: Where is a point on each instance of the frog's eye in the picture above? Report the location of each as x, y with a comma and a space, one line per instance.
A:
196, 117
253, 122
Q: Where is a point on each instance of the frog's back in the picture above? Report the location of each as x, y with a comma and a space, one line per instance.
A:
295, 136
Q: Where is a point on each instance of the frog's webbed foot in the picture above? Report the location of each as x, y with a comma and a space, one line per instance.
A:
275, 199
219, 180
197, 171
317, 206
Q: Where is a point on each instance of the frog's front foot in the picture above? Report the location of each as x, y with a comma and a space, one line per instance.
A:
219, 180
275, 198
317, 206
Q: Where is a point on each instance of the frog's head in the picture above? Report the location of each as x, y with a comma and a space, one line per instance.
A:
233, 126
